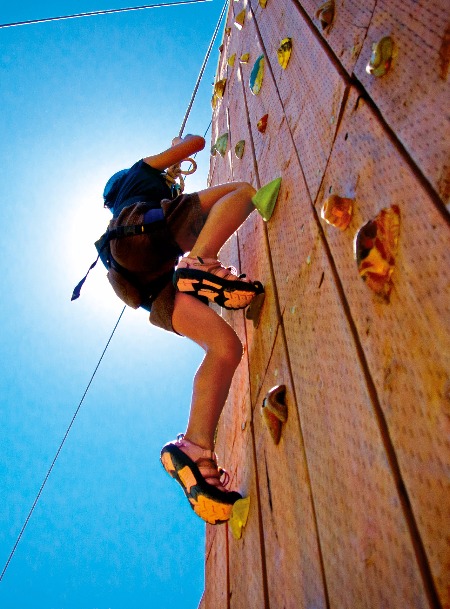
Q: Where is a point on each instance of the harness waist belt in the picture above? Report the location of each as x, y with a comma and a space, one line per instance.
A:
153, 219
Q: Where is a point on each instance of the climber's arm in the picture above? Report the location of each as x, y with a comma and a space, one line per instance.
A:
180, 150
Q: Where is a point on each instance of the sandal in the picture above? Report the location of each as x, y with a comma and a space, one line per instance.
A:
200, 478
208, 278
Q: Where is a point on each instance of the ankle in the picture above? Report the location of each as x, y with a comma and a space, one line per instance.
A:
199, 441
202, 253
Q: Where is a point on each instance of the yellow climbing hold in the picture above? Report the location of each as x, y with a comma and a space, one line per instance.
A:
219, 88
262, 3
284, 52
231, 60
244, 58
381, 58
239, 149
266, 198
239, 516
239, 20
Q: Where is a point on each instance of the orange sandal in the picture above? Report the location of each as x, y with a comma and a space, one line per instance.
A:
208, 278
196, 470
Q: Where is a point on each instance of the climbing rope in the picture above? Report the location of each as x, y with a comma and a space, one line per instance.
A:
105, 12
187, 172
59, 449
173, 173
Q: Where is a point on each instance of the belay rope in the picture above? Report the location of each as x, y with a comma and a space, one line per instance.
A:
175, 172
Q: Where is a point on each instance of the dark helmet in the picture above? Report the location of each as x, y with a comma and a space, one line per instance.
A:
112, 187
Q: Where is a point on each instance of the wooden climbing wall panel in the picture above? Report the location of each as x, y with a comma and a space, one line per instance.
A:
350, 509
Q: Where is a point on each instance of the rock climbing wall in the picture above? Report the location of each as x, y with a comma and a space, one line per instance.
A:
350, 509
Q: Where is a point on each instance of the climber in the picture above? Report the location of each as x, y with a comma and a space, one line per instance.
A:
188, 234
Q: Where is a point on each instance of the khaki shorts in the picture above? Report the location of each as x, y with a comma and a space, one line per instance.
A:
185, 220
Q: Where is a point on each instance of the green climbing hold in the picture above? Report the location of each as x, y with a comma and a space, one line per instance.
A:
221, 145
266, 197
257, 75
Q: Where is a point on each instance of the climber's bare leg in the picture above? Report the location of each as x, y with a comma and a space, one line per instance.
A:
225, 208
223, 352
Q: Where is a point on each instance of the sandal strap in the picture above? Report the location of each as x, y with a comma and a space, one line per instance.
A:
206, 461
212, 266
195, 451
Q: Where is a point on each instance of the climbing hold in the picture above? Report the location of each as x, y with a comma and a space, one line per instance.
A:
219, 88
227, 31
375, 247
239, 20
221, 145
266, 197
257, 75
244, 58
444, 54
274, 411
254, 310
218, 92
381, 58
337, 211
261, 125
325, 14
239, 516
231, 60
262, 3
239, 149
284, 52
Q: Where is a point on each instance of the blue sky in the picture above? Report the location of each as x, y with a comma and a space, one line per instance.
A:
81, 99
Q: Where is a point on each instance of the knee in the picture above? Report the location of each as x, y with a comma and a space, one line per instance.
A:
246, 189
229, 349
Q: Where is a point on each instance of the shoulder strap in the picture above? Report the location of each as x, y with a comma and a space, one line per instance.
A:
154, 219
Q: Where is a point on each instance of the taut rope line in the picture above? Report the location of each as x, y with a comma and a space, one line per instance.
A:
105, 12
59, 449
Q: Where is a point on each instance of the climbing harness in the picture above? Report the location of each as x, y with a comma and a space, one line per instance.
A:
30, 513
175, 173
126, 290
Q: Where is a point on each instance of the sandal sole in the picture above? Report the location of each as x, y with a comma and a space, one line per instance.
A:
225, 293
209, 503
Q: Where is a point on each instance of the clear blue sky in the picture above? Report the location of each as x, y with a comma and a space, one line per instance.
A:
79, 100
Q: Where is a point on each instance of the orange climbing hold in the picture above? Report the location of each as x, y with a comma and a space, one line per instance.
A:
325, 14
376, 245
337, 211
274, 411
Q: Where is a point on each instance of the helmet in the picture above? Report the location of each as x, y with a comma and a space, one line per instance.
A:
113, 183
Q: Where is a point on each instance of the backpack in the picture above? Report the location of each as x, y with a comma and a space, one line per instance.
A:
139, 253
